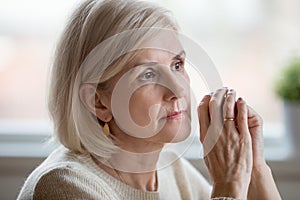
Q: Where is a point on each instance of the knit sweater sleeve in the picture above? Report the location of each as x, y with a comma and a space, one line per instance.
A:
67, 183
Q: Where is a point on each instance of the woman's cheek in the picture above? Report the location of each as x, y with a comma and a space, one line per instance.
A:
139, 107
138, 113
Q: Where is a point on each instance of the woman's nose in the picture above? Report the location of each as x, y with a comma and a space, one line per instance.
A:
176, 86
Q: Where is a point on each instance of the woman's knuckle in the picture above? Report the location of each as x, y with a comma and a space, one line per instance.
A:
228, 99
242, 117
213, 102
228, 107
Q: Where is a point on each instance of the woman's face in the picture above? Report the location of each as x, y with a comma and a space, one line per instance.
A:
160, 98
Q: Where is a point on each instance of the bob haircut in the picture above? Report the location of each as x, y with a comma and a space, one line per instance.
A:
92, 23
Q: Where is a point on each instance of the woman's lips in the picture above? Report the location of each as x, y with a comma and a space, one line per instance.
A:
174, 115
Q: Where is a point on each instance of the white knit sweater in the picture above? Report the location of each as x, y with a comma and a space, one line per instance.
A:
67, 175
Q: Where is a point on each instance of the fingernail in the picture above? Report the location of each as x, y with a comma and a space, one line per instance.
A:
230, 92
240, 99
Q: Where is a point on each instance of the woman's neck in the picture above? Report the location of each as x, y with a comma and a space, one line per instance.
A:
143, 181
135, 162
129, 171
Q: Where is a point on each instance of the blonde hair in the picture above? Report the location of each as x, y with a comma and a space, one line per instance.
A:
92, 23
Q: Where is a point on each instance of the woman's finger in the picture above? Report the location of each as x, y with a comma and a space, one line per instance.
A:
215, 105
254, 118
255, 124
203, 114
242, 118
228, 110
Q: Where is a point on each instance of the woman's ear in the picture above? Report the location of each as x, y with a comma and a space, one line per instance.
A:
95, 102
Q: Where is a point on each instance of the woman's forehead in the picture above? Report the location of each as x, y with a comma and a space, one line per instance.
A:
159, 56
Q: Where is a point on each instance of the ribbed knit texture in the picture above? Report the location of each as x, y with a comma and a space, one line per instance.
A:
67, 175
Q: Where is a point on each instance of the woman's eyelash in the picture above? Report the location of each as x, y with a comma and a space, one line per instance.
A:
150, 74
178, 66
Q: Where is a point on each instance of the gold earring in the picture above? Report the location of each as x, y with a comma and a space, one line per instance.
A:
106, 129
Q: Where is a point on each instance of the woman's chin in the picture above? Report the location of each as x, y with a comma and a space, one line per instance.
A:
180, 135
174, 131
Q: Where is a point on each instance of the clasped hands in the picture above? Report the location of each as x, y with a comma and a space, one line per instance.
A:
231, 134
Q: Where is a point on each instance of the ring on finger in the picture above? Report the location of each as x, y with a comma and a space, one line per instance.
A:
229, 119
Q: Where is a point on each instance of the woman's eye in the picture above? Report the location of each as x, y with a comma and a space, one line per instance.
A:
149, 75
178, 66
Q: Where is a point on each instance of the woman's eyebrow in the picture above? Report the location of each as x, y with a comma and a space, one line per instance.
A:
149, 64
145, 64
178, 56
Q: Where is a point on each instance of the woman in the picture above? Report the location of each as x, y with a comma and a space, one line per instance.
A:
117, 99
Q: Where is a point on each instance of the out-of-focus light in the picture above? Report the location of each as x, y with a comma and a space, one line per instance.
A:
7, 49
34, 17
244, 15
